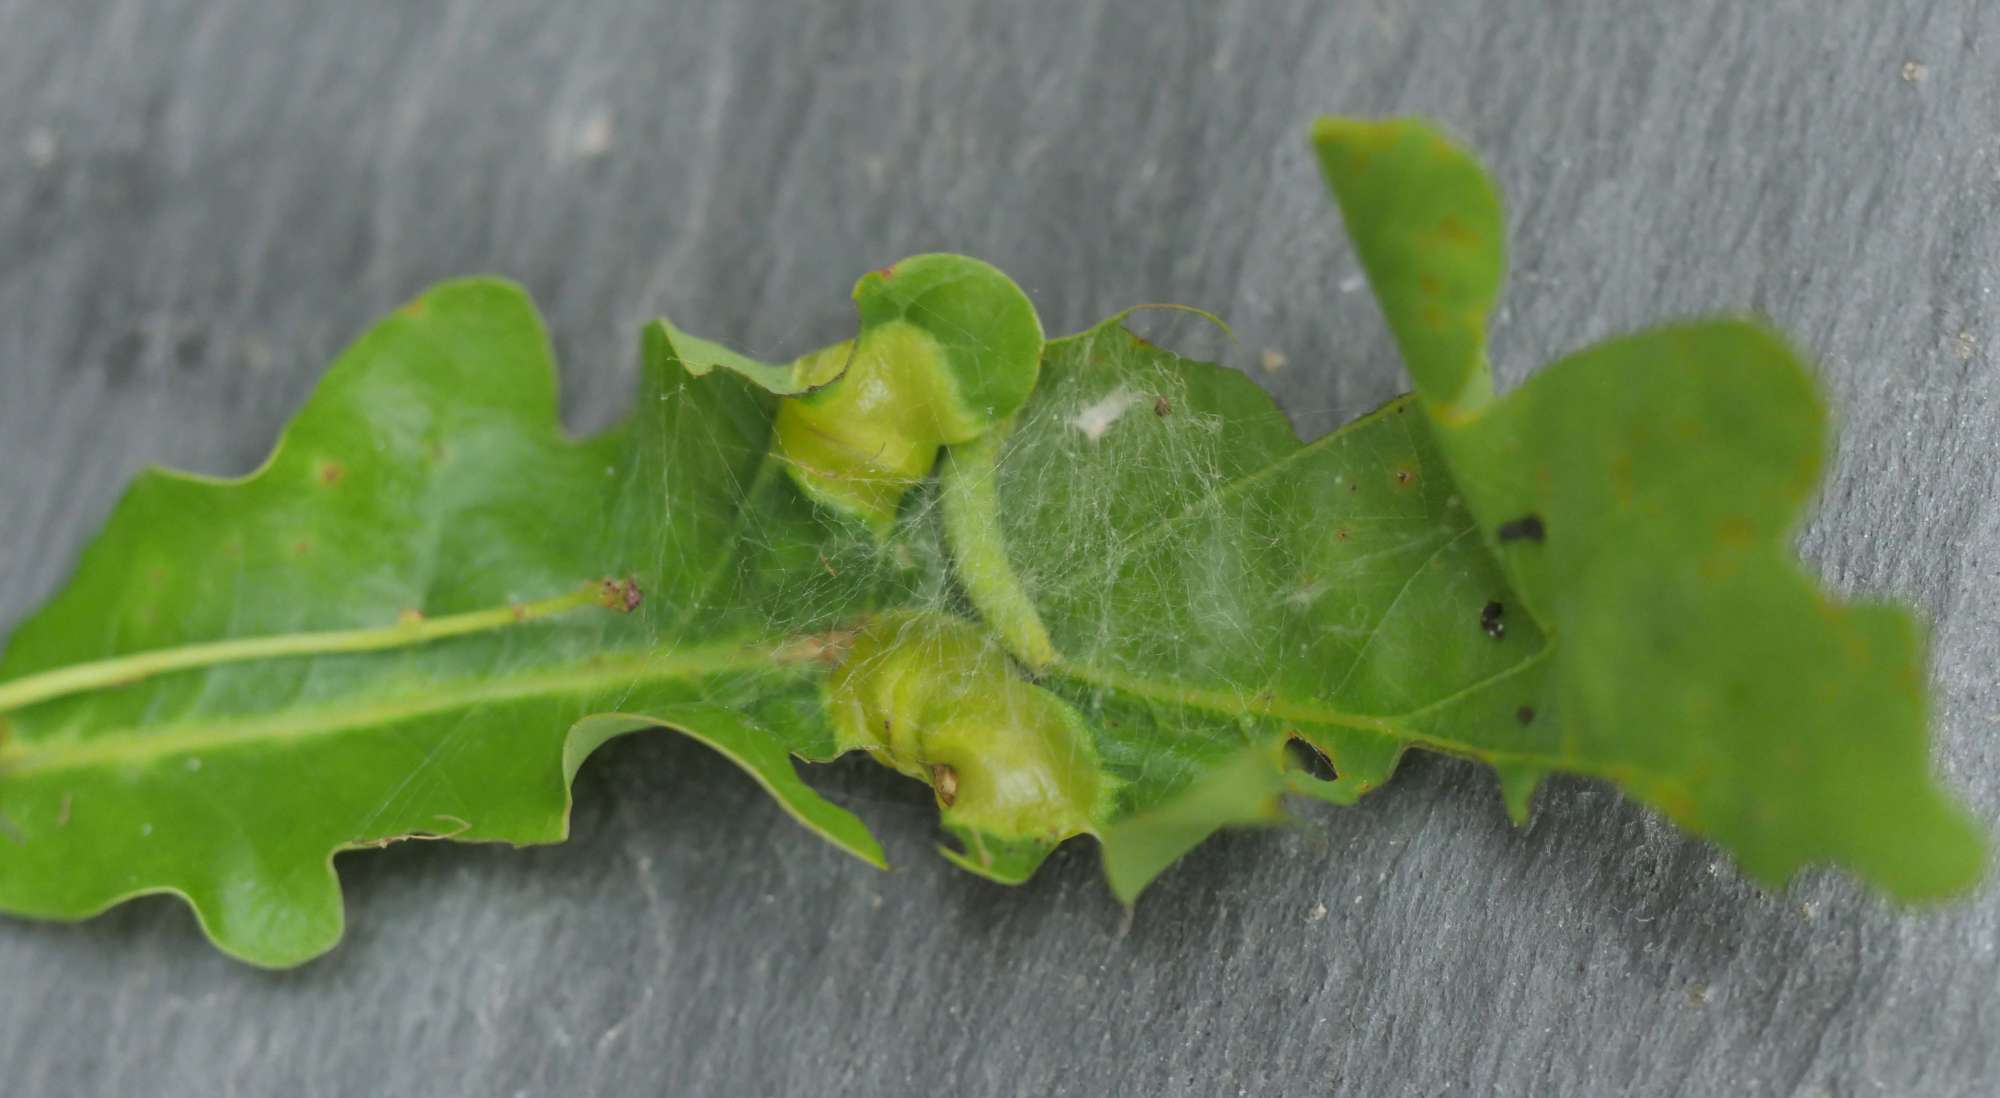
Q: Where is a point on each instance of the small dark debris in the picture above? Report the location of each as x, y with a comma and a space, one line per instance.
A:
1161, 408
623, 595
1402, 476
190, 350
1525, 528
1525, 714
1308, 757
1489, 620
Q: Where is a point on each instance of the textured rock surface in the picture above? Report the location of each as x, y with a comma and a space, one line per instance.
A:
199, 202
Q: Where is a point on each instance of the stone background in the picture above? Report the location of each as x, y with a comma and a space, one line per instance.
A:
201, 201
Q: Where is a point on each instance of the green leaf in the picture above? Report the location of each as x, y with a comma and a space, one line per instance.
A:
412, 585
1126, 600
1207, 588
1642, 494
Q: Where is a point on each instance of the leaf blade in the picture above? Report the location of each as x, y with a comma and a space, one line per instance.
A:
1641, 493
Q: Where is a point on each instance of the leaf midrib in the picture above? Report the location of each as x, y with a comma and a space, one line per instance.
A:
141, 745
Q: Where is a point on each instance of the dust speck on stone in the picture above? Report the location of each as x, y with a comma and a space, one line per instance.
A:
1915, 72
42, 146
1317, 912
1273, 360
588, 137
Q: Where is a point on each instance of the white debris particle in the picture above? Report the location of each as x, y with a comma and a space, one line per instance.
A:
1317, 913
1274, 360
582, 137
1963, 348
42, 146
593, 138
1352, 283
1095, 419
1914, 72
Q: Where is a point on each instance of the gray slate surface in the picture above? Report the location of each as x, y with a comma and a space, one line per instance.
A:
199, 202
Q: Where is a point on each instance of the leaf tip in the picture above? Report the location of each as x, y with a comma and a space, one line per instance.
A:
1517, 789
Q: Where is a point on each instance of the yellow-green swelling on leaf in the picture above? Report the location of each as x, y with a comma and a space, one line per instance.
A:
948, 347
1641, 495
935, 697
425, 561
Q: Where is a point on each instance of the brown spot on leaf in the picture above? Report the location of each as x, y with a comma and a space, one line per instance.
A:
1341, 534
1622, 484
1454, 231
621, 595
1525, 714
945, 780
1161, 408
301, 547
331, 473
1736, 532
1405, 475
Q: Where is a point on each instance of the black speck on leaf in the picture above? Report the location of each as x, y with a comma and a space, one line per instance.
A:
1309, 758
1525, 528
1489, 620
